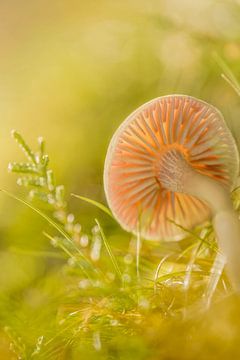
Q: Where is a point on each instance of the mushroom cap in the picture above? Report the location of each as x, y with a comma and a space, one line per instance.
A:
133, 191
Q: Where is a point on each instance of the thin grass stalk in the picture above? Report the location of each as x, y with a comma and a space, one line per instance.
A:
109, 251
95, 203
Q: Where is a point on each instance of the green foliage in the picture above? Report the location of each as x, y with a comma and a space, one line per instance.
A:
109, 303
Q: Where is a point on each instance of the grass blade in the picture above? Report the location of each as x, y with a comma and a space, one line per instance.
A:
192, 233
215, 275
110, 253
51, 222
228, 75
95, 203
138, 248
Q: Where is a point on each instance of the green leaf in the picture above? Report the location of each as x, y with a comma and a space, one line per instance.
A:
23, 145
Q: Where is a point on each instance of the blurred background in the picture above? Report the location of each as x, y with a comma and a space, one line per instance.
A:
71, 71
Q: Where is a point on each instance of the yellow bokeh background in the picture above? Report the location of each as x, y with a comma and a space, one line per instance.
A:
71, 71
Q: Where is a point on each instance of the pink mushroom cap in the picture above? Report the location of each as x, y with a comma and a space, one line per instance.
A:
133, 190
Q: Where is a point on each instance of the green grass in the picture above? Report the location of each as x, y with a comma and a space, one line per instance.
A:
144, 301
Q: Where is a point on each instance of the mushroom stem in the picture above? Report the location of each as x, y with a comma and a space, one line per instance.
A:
227, 227
209, 190
225, 220
178, 175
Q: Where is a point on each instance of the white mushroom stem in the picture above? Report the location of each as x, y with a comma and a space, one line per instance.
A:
176, 174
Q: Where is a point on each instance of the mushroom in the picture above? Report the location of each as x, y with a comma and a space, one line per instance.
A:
175, 158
